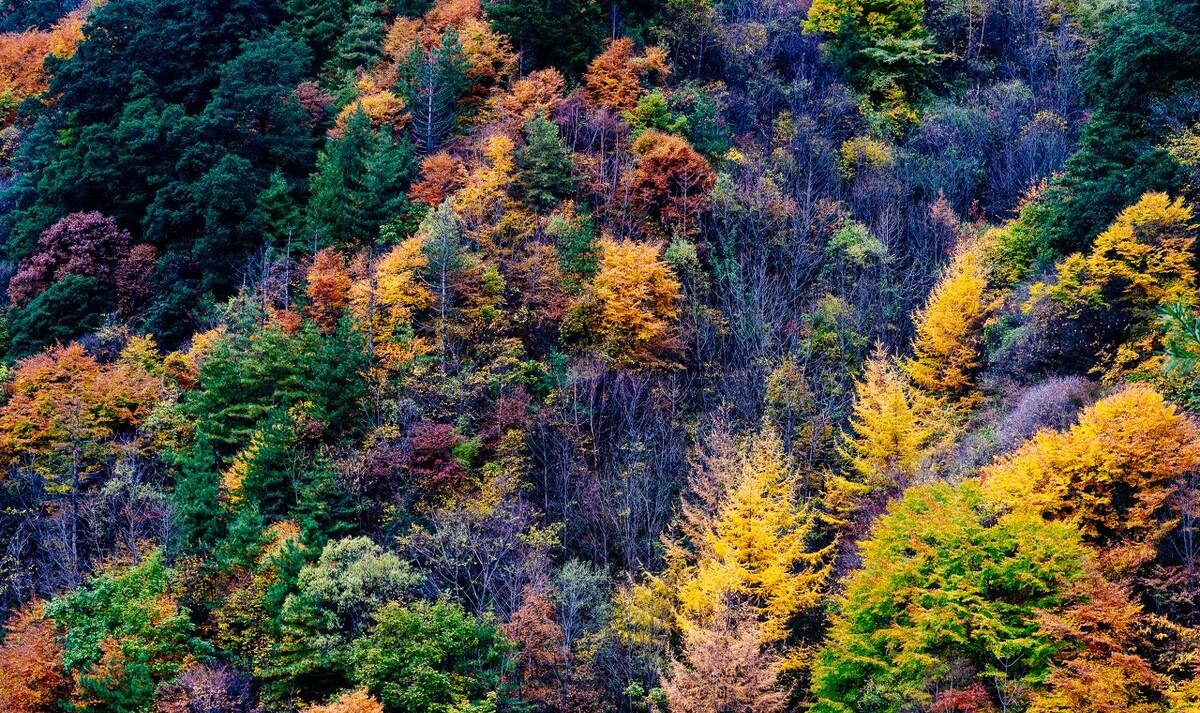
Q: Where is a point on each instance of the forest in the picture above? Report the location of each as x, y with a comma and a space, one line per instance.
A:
567, 356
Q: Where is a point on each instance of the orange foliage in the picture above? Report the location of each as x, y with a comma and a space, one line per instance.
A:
638, 297
490, 57
541, 657
536, 93
353, 702
672, 182
446, 14
32, 678
725, 669
328, 288
441, 175
382, 109
612, 79
1101, 673
23, 54
64, 397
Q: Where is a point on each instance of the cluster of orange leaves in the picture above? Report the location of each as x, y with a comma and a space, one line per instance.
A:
65, 395
23, 56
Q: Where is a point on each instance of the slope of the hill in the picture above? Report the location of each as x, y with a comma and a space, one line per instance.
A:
400, 356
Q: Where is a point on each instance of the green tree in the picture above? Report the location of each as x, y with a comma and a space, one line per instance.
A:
949, 592
359, 184
331, 606
564, 34
431, 83
124, 635
432, 657
1146, 56
361, 40
71, 306
886, 47
545, 165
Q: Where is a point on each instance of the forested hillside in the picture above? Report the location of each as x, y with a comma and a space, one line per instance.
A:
557, 356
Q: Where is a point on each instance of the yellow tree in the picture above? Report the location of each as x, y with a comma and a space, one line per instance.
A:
946, 348
1111, 473
1141, 263
748, 547
386, 296
638, 299
889, 436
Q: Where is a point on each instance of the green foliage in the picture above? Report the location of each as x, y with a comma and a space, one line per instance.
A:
318, 23
544, 162
124, 634
73, 305
431, 83
359, 43
248, 377
855, 244
564, 34
1015, 249
705, 130
652, 113
1145, 56
887, 49
432, 657
255, 392
359, 184
948, 588
170, 104
329, 608
578, 252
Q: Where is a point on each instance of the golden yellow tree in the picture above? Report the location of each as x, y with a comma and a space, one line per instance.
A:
386, 295
747, 545
888, 436
1111, 473
1142, 262
638, 299
946, 348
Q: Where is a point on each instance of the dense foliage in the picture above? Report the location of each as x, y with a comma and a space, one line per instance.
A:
549, 356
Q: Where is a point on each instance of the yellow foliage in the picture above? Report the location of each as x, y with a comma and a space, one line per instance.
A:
385, 298
353, 702
638, 297
889, 436
382, 109
946, 348
749, 544
1142, 262
1147, 250
483, 199
865, 151
1110, 473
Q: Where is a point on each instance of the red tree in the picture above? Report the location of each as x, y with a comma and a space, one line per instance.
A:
90, 244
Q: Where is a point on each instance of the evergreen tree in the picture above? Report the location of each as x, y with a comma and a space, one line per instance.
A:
431, 83
564, 34
75, 304
359, 44
545, 166
359, 184
1147, 56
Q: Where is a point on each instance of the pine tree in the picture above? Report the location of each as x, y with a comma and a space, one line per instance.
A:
545, 165
359, 44
432, 82
563, 34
